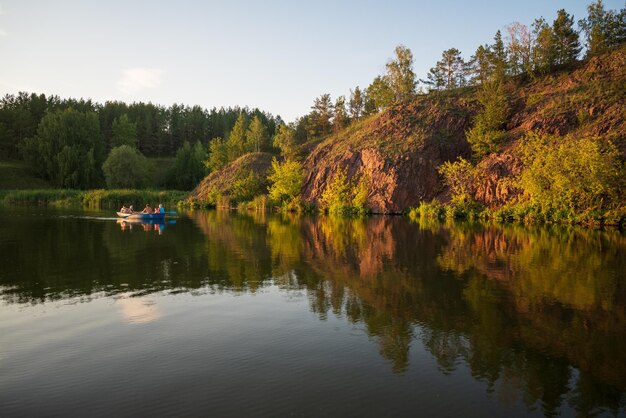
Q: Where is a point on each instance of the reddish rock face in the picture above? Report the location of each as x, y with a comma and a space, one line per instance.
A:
399, 153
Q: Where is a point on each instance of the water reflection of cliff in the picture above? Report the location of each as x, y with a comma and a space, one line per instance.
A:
534, 313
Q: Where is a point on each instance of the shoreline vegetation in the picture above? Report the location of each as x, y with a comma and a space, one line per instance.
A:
521, 214
93, 199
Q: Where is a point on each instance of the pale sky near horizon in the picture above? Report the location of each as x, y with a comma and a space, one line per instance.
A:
274, 55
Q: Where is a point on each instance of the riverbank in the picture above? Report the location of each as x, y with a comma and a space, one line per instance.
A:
99, 198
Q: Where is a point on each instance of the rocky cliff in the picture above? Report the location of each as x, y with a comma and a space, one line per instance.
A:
400, 149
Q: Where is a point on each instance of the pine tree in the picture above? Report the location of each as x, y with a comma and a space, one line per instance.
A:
481, 65
544, 50
566, 44
499, 57
320, 117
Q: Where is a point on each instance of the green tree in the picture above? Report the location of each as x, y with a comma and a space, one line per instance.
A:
544, 52
379, 94
257, 138
320, 117
604, 29
188, 168
123, 132
340, 120
218, 154
520, 45
400, 76
566, 44
480, 65
488, 131
126, 168
499, 57
449, 72
285, 180
285, 140
67, 149
357, 103
236, 143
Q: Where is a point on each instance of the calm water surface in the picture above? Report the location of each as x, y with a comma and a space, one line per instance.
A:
254, 315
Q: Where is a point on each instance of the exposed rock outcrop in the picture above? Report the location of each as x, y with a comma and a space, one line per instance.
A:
398, 151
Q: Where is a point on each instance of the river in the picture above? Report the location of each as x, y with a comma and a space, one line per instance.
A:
225, 314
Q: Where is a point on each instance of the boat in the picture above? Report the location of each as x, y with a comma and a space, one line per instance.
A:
142, 216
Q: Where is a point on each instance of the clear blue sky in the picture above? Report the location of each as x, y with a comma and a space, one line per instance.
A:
275, 55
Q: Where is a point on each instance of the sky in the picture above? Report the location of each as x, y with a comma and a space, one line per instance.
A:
275, 55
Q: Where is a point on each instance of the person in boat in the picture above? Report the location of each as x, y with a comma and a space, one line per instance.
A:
147, 209
124, 209
130, 209
161, 208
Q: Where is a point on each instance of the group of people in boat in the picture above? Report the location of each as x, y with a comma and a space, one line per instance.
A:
147, 209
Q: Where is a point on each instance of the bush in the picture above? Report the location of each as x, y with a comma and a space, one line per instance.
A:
344, 196
286, 181
568, 175
126, 168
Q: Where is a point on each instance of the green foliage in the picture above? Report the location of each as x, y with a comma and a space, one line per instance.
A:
285, 140
126, 168
340, 120
319, 122
286, 180
236, 143
188, 168
400, 76
357, 103
566, 44
218, 155
99, 199
345, 196
568, 174
459, 176
123, 132
604, 29
488, 131
246, 187
257, 138
449, 72
67, 149
16, 174
379, 94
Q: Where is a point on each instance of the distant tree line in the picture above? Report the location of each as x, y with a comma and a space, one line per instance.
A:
67, 141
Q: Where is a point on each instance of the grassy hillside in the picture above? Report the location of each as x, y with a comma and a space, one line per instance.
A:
16, 175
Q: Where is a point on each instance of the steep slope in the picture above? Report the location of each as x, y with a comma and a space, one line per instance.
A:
400, 149
225, 181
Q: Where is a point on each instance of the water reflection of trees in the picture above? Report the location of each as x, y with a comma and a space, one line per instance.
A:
537, 313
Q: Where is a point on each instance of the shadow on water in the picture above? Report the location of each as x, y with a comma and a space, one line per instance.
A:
533, 312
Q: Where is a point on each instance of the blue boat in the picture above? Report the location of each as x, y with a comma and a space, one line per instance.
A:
142, 216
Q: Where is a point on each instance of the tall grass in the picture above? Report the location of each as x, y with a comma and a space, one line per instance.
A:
97, 199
